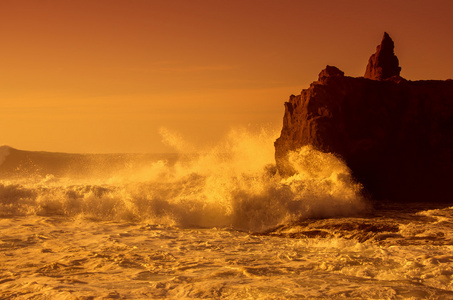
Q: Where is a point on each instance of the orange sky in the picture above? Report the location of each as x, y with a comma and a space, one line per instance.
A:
106, 75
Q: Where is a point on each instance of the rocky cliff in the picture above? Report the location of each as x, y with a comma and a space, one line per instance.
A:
395, 135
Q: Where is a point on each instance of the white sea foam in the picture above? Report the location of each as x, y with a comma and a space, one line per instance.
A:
59, 257
231, 185
109, 234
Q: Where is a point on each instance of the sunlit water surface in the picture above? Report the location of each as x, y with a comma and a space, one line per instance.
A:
60, 257
217, 225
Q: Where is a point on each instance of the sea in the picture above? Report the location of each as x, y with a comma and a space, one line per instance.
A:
217, 223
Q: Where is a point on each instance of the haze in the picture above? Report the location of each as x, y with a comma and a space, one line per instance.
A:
107, 75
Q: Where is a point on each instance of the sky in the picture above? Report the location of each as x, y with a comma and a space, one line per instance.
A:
108, 76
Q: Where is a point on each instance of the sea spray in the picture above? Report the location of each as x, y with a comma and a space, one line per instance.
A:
4, 152
233, 184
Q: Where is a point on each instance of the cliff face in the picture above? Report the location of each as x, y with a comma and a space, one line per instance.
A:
395, 135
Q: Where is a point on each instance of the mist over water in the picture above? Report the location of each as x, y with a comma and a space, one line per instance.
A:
4, 151
231, 184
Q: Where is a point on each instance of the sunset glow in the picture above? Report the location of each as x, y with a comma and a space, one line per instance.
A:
106, 76
226, 149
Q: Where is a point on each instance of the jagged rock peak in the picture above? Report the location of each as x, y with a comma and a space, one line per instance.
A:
383, 64
330, 71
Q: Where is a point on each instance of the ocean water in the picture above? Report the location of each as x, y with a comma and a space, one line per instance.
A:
219, 224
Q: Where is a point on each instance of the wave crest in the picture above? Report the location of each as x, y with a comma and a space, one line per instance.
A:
233, 184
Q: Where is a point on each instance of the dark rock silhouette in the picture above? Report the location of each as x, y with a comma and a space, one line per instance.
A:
395, 135
17, 164
384, 63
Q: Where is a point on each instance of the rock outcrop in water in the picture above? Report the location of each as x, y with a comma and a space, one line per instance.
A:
395, 135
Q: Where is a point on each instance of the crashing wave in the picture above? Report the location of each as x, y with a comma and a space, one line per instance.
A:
231, 185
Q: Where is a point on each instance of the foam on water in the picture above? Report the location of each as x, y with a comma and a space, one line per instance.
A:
55, 257
232, 184
109, 233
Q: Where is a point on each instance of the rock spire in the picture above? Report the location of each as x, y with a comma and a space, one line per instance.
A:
383, 64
